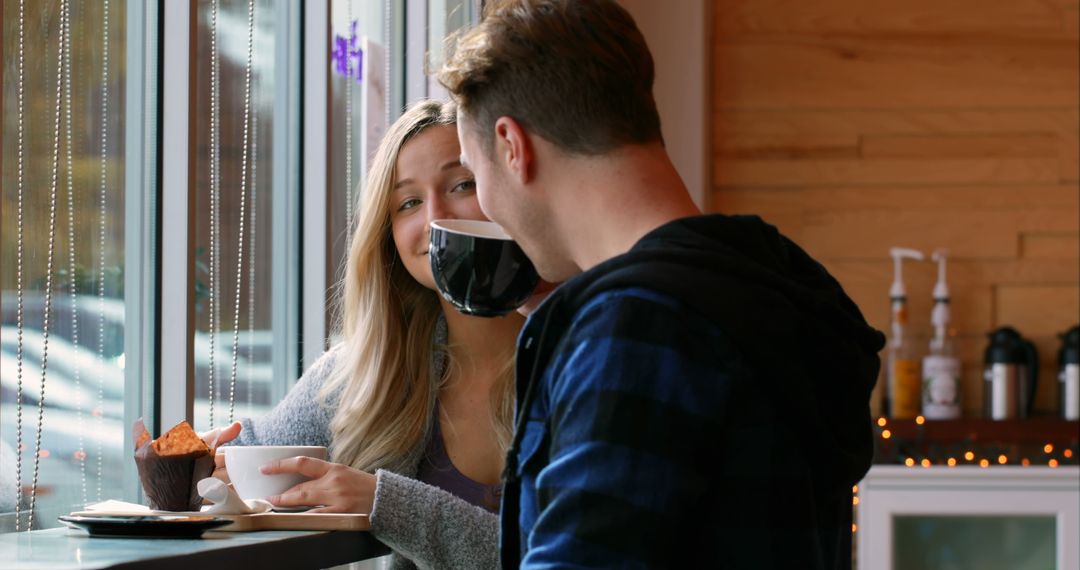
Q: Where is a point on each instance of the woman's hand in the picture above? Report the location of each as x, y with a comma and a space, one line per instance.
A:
215, 438
338, 488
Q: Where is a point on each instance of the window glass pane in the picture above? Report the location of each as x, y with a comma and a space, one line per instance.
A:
72, 196
364, 66
359, 66
1018, 542
445, 17
234, 208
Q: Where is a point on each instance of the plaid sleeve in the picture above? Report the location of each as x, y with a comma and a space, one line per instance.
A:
634, 404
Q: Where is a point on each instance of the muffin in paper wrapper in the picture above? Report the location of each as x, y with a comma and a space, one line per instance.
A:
171, 466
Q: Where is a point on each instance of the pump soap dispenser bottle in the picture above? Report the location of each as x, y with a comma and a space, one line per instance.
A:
902, 373
941, 367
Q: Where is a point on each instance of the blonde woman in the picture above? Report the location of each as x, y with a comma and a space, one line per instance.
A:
415, 401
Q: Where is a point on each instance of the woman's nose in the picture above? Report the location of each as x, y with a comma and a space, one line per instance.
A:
436, 210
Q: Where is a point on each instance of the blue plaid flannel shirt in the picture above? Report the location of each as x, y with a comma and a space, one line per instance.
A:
612, 473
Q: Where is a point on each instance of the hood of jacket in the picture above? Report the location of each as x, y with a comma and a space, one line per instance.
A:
801, 334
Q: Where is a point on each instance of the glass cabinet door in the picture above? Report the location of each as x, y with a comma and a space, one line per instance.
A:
922, 542
1009, 517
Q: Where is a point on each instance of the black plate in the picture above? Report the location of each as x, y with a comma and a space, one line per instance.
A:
159, 526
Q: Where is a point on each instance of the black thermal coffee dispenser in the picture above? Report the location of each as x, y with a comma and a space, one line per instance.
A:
1010, 374
1069, 375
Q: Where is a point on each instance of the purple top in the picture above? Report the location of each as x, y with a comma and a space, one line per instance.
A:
437, 470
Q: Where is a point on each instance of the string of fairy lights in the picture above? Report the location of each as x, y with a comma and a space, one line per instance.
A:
911, 452
916, 453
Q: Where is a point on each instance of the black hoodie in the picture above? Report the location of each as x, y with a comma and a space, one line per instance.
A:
814, 362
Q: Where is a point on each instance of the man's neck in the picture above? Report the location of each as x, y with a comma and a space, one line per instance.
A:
612, 201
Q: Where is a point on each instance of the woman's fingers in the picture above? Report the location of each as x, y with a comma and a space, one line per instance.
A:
221, 473
306, 466
339, 489
303, 495
220, 436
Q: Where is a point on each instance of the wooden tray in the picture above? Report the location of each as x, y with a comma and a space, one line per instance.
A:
263, 521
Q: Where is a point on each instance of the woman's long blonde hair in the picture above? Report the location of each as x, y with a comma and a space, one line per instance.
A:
386, 321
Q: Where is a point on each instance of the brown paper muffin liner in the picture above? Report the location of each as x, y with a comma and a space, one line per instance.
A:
171, 466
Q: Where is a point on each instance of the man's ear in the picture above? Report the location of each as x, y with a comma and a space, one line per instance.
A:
513, 146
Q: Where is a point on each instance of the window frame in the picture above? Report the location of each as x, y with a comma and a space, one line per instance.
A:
302, 298
142, 218
159, 211
175, 389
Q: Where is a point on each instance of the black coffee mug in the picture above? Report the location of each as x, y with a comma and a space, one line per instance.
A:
478, 268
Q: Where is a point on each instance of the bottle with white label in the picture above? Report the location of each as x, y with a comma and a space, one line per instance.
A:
941, 367
1069, 375
902, 367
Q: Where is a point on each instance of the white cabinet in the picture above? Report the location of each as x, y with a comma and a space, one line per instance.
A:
969, 517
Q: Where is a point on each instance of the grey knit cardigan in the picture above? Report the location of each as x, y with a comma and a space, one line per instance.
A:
425, 526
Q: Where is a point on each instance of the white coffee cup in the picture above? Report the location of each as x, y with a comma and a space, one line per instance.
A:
244, 463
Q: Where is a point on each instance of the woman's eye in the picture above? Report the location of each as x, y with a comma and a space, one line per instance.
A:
408, 204
464, 186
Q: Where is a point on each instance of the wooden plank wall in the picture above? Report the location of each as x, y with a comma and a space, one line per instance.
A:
856, 125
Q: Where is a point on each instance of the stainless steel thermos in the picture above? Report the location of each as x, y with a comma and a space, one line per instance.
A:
1010, 375
1069, 375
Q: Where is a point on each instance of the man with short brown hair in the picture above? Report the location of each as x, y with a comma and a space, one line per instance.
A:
696, 393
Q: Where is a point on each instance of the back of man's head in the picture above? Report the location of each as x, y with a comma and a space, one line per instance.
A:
576, 72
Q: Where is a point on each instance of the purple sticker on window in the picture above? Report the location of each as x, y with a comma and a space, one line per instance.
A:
345, 52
